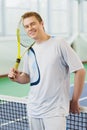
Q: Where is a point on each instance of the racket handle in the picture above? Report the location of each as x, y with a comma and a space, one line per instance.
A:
17, 63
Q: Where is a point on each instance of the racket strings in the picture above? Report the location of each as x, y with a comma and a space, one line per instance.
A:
25, 40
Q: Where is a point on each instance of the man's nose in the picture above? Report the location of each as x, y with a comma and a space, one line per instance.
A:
30, 27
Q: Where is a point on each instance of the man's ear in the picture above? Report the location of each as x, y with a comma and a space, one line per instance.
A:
42, 23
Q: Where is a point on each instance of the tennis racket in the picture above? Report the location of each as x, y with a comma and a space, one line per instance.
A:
22, 40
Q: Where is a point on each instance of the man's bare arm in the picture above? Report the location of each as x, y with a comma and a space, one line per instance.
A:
78, 87
16, 76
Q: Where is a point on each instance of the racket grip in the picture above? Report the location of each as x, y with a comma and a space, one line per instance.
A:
17, 63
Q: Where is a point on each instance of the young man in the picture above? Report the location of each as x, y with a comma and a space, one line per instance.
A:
47, 66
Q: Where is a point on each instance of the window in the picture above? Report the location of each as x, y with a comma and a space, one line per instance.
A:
0, 17
13, 11
83, 15
56, 14
58, 17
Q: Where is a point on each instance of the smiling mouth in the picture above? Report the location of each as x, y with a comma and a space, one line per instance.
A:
32, 33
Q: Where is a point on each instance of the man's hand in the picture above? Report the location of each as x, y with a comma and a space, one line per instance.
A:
74, 107
13, 74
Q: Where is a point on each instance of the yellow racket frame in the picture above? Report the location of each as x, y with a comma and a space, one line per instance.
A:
18, 50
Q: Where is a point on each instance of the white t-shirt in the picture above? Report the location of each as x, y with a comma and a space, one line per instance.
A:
49, 65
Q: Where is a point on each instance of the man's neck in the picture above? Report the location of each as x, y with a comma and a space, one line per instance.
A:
43, 38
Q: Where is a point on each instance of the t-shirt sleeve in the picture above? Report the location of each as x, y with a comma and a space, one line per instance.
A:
70, 57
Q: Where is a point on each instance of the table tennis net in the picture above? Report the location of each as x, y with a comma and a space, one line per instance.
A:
13, 115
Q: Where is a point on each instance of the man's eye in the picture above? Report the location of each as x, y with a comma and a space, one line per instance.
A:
25, 26
33, 23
